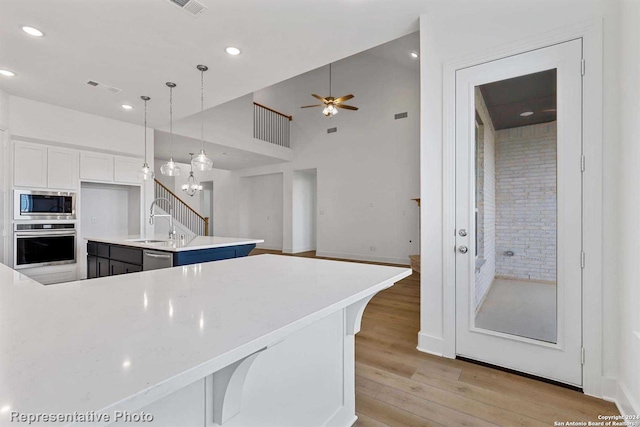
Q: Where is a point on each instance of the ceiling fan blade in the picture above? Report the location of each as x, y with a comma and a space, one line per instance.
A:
343, 98
309, 106
319, 97
346, 107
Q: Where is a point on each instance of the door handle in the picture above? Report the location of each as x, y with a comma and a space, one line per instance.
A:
463, 249
156, 255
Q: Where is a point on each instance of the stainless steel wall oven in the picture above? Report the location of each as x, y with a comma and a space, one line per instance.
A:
38, 245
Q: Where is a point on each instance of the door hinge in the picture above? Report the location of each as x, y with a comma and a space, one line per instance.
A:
582, 163
582, 355
582, 67
582, 259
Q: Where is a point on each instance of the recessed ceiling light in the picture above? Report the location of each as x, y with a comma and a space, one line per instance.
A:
127, 106
7, 73
414, 54
233, 51
33, 31
526, 114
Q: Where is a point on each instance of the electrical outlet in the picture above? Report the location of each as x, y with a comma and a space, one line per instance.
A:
372, 248
94, 220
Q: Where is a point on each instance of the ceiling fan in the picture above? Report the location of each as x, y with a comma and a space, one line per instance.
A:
330, 103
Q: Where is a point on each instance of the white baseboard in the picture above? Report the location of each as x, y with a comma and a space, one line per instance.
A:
616, 392
357, 257
303, 249
270, 247
430, 344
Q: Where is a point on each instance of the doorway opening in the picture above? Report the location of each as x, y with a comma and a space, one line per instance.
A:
305, 207
206, 204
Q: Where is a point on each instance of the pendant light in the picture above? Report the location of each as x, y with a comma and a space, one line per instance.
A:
146, 173
202, 162
170, 168
191, 187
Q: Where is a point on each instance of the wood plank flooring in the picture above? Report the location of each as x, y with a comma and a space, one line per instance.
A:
398, 386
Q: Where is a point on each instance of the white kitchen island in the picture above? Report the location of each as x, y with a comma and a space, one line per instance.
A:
258, 341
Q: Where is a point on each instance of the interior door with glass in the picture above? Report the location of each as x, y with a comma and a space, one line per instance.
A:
519, 212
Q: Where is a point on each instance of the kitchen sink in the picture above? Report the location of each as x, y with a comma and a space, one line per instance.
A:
149, 241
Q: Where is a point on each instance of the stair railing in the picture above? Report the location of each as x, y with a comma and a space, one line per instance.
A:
183, 213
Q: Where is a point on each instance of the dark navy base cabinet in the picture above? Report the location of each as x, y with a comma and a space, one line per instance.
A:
104, 259
213, 254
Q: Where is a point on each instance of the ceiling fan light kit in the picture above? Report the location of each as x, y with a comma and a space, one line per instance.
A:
331, 104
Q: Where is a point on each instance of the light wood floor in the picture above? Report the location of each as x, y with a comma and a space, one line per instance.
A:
398, 386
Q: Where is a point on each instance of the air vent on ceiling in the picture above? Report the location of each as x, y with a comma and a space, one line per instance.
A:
194, 7
332, 130
401, 116
103, 86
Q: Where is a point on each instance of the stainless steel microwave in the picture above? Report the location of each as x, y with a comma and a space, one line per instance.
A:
30, 205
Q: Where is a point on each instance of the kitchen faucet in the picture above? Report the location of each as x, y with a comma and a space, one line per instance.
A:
172, 229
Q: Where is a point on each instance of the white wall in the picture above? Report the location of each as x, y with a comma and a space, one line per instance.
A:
452, 30
107, 211
50, 123
305, 211
262, 210
367, 172
5, 231
628, 348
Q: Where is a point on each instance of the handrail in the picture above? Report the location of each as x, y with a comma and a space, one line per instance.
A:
174, 195
274, 111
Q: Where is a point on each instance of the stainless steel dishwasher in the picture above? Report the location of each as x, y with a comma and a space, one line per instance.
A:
154, 260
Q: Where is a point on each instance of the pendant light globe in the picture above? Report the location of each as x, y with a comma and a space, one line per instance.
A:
201, 162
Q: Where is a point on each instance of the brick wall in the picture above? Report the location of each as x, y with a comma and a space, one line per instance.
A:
526, 202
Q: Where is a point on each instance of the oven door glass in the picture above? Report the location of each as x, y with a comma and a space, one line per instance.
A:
45, 249
46, 205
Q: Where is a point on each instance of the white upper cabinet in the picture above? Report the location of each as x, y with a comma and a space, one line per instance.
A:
44, 166
126, 170
62, 168
96, 167
30, 165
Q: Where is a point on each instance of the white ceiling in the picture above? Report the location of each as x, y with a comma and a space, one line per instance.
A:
139, 45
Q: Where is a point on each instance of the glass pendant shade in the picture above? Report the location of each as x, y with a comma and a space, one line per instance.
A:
201, 162
170, 168
146, 173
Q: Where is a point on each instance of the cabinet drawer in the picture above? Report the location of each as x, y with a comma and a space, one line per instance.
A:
128, 255
92, 248
102, 250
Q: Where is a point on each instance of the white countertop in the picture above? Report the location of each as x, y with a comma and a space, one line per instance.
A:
190, 243
121, 342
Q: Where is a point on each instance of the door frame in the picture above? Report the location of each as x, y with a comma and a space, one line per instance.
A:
592, 144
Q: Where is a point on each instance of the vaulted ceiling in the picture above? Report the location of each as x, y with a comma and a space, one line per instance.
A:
137, 46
